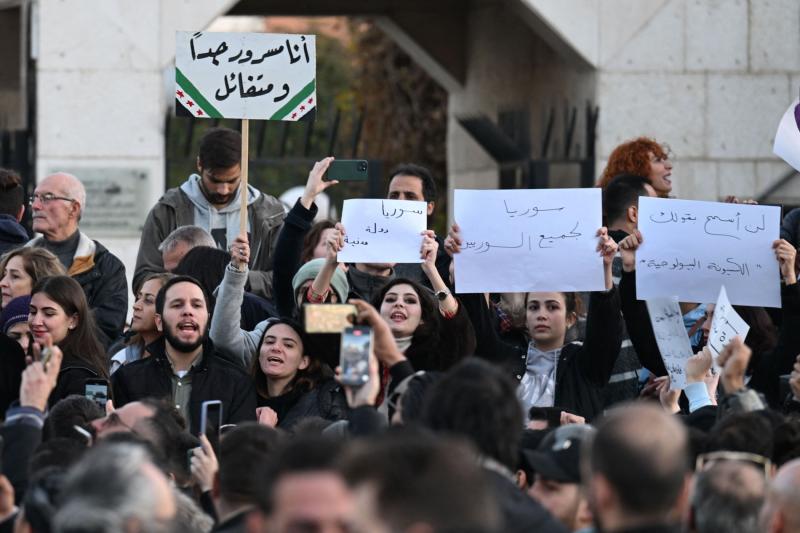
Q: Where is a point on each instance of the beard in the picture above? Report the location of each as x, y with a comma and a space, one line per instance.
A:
181, 346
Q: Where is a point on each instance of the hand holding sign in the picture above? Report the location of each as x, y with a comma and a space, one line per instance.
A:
725, 325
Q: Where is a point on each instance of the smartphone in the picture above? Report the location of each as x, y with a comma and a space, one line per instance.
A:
328, 318
354, 355
347, 170
211, 422
96, 389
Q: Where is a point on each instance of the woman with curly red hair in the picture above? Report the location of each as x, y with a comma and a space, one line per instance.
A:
643, 157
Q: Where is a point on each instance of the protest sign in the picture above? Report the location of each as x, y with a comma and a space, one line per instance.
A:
725, 325
787, 138
267, 76
692, 248
383, 231
671, 337
528, 240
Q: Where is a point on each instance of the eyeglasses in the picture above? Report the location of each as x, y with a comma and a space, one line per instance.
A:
47, 197
707, 460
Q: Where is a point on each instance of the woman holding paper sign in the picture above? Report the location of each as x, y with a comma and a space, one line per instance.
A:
553, 373
771, 357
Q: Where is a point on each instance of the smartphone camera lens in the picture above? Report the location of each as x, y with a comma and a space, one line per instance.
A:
362, 166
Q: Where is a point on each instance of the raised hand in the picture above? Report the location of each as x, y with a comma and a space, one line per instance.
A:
453, 242
786, 254
334, 242
428, 250
608, 249
734, 359
315, 184
204, 465
39, 379
628, 247
240, 252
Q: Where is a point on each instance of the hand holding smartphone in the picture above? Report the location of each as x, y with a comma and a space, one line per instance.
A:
211, 422
347, 170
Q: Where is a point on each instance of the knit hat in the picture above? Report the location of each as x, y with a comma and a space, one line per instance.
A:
15, 312
310, 270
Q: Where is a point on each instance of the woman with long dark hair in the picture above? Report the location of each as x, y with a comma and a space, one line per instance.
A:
59, 312
291, 382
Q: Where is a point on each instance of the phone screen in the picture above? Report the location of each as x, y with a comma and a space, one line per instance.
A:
97, 391
211, 421
354, 355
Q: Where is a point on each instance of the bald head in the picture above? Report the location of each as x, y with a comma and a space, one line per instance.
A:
642, 454
68, 185
781, 512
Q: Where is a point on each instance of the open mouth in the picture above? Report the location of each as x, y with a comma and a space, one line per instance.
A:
274, 359
397, 316
188, 326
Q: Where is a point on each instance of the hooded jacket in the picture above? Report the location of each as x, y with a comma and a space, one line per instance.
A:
102, 276
186, 205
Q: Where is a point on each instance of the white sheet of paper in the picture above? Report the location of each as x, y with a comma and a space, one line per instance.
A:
692, 248
726, 325
787, 138
671, 337
528, 240
383, 231
266, 76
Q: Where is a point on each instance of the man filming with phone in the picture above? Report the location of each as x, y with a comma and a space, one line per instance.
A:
184, 365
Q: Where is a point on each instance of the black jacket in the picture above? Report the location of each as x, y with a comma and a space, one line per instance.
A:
12, 234
106, 289
213, 379
288, 248
326, 400
583, 369
520, 513
72, 379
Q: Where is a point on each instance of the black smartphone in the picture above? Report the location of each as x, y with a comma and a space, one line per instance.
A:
354, 355
347, 170
96, 389
211, 422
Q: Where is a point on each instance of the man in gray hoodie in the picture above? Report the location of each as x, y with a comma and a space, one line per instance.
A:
210, 200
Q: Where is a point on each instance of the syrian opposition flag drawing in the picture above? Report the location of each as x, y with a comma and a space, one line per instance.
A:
189, 102
260, 76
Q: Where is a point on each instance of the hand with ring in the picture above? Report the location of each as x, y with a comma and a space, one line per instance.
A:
240, 252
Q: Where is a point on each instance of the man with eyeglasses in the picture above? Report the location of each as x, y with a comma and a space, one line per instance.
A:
210, 200
57, 205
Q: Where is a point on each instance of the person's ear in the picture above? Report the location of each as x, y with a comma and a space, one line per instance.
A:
199, 168
20, 213
521, 479
572, 318
159, 323
633, 214
431, 207
304, 362
73, 322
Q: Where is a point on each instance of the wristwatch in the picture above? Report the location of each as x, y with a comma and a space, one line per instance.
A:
442, 294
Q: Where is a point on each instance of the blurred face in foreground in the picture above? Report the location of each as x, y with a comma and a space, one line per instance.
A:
312, 502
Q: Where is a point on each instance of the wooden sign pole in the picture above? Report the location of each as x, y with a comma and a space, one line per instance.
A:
243, 193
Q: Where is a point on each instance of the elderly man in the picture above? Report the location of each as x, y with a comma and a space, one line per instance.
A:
57, 204
781, 511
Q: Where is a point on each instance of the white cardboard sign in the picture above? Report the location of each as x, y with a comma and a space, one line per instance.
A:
692, 248
671, 337
726, 325
528, 240
266, 76
383, 231
787, 138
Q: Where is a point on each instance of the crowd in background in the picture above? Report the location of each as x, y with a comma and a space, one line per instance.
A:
543, 411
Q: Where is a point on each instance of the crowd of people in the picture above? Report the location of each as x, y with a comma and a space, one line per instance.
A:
477, 413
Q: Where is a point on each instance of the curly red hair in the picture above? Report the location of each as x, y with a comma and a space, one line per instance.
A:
632, 157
